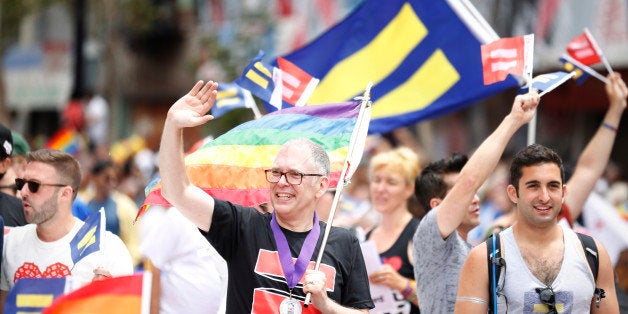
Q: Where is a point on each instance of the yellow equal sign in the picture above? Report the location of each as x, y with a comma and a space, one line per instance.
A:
375, 61
227, 97
433, 79
88, 239
33, 301
258, 79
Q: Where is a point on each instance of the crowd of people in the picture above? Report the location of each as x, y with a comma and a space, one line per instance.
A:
428, 222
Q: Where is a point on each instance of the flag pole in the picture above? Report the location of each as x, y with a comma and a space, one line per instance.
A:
528, 64
598, 50
585, 68
360, 128
256, 111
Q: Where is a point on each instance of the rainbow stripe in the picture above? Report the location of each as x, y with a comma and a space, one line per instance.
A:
231, 167
113, 295
66, 140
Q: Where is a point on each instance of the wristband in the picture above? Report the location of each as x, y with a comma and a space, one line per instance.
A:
610, 127
407, 292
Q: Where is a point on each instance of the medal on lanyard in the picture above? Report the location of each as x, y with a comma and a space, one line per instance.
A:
294, 272
290, 306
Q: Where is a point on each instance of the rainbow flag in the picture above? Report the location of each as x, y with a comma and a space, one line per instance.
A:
66, 139
122, 295
231, 167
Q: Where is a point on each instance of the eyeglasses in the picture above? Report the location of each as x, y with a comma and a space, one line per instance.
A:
547, 297
292, 177
33, 185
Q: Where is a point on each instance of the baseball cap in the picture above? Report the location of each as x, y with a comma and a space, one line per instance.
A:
6, 142
20, 146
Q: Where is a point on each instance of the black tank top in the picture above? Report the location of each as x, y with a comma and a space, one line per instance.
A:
397, 255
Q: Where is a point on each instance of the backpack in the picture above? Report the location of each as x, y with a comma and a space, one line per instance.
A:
496, 262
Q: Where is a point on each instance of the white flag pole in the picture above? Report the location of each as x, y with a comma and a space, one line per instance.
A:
585, 68
354, 154
598, 50
250, 103
528, 49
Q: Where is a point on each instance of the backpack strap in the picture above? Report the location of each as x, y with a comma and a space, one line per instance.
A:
590, 251
495, 262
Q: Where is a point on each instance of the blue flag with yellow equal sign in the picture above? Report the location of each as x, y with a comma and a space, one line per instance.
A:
33, 295
231, 96
89, 238
423, 58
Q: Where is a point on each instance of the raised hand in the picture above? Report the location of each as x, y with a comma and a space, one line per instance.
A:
191, 110
524, 107
616, 91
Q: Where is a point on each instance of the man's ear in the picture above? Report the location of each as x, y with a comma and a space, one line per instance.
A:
512, 193
322, 187
564, 193
5, 163
435, 202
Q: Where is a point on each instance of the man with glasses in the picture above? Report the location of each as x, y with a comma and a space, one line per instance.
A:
42, 248
261, 248
546, 268
10, 206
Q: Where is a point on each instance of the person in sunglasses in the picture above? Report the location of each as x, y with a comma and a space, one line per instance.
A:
10, 206
546, 269
42, 248
447, 189
261, 248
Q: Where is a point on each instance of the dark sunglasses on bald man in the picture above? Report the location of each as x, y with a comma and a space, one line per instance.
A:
33, 185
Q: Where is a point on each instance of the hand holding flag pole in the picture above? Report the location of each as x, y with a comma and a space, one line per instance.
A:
354, 155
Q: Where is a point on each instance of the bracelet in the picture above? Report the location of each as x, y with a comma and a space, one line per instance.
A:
610, 127
407, 292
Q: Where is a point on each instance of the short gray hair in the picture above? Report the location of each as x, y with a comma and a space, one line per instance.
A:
317, 153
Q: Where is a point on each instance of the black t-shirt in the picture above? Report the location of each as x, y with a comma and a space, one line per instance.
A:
244, 238
12, 211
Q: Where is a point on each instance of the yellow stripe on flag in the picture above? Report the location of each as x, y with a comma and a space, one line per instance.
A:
263, 69
226, 93
421, 87
33, 300
257, 79
375, 61
88, 239
226, 102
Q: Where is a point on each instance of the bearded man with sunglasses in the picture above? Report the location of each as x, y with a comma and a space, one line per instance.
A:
260, 248
545, 269
42, 248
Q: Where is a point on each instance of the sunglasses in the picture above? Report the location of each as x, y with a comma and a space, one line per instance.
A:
33, 185
547, 297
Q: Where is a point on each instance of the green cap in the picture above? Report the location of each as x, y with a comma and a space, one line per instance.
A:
20, 146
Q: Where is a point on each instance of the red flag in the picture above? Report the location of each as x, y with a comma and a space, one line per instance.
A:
298, 85
583, 49
506, 56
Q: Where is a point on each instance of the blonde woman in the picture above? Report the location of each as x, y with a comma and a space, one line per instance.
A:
391, 183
